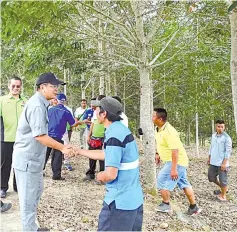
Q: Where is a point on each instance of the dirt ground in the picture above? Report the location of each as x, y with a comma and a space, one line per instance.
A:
73, 205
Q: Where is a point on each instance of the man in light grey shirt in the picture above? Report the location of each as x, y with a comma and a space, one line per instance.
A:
30, 148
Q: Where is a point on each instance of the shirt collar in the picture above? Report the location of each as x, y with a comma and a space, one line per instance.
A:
10, 96
218, 135
43, 99
162, 128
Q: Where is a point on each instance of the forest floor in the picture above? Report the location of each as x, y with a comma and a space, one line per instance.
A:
74, 205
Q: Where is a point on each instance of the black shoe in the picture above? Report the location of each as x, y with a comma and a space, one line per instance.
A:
58, 178
5, 207
3, 193
88, 178
43, 229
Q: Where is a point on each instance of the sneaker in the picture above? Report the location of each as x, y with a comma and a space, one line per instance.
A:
88, 178
68, 167
5, 207
3, 193
193, 211
218, 192
164, 208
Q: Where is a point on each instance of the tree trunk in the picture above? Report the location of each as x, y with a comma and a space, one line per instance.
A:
65, 80
233, 62
115, 86
100, 49
148, 129
83, 89
197, 140
149, 170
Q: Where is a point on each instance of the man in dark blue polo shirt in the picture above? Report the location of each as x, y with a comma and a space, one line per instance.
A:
59, 116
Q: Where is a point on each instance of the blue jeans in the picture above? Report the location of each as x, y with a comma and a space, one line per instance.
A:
165, 182
112, 219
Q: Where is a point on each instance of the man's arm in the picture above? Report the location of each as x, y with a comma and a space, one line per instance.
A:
90, 133
92, 154
174, 172
49, 142
228, 149
108, 175
209, 157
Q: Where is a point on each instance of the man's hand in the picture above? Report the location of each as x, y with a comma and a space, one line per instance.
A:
157, 158
223, 167
174, 174
100, 177
68, 151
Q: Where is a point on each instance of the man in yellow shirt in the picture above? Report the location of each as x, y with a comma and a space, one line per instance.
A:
174, 172
11, 106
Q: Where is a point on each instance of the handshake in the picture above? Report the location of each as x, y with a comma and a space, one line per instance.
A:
70, 151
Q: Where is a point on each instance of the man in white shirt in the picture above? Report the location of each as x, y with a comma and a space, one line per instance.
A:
79, 112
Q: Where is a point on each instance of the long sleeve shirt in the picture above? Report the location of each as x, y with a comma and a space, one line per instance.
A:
221, 147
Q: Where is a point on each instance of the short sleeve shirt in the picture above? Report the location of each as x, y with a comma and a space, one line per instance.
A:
28, 153
88, 115
121, 152
167, 139
10, 111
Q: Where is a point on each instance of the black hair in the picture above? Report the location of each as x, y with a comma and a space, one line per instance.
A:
94, 98
161, 113
100, 97
16, 78
110, 116
117, 98
83, 100
220, 121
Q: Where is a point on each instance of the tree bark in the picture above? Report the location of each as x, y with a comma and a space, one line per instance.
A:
233, 62
149, 171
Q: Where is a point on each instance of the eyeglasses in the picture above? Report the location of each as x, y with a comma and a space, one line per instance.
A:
16, 86
52, 86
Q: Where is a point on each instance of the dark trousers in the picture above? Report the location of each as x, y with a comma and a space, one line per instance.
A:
92, 164
6, 165
56, 161
112, 219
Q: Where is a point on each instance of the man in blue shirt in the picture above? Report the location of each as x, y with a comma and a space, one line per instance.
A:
219, 154
59, 116
123, 203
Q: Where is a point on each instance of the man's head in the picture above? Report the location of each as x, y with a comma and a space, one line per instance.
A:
108, 110
61, 98
53, 102
83, 103
14, 86
159, 117
93, 103
220, 126
47, 84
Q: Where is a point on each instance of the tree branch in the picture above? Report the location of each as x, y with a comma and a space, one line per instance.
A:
161, 52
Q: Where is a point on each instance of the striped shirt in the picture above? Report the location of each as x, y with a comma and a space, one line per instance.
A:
121, 152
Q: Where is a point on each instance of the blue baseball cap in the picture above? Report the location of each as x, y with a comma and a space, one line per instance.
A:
61, 97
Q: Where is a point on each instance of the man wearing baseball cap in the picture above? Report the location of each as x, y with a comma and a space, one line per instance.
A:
123, 203
30, 148
59, 116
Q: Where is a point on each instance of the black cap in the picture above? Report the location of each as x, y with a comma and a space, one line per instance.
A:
111, 105
49, 78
